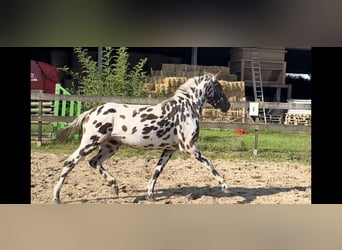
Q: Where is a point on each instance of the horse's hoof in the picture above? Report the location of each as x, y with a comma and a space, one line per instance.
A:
225, 188
116, 190
56, 201
151, 197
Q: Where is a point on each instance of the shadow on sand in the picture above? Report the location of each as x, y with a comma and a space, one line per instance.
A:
193, 193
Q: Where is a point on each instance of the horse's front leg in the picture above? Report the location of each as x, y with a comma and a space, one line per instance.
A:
196, 153
164, 158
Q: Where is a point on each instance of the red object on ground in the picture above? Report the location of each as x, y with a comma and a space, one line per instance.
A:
241, 131
44, 76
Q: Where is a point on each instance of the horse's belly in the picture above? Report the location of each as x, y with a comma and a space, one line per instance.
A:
151, 141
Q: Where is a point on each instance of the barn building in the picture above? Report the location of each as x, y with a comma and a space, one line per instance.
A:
275, 62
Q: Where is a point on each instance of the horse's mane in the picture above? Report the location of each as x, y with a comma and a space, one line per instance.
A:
186, 86
190, 82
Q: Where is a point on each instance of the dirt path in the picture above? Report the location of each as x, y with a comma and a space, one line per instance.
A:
181, 182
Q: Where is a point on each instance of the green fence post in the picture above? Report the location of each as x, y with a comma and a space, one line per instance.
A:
79, 108
71, 108
65, 109
63, 112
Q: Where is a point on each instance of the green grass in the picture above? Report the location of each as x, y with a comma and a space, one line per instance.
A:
272, 146
222, 144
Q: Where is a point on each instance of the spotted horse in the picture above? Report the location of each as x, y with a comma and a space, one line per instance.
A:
170, 125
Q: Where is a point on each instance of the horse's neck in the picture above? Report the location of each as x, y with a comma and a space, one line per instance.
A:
195, 98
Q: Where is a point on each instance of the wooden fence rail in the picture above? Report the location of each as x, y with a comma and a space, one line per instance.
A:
152, 101
209, 125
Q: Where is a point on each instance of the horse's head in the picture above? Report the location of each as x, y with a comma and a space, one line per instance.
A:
215, 95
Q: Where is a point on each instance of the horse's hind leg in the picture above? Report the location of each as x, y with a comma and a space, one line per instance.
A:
69, 164
106, 151
164, 158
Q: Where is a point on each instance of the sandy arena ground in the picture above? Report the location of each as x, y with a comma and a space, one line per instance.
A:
183, 181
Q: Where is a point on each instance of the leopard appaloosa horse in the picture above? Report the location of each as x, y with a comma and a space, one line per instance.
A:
168, 126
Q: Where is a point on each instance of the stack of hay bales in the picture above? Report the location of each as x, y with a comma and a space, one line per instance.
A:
166, 87
186, 70
165, 82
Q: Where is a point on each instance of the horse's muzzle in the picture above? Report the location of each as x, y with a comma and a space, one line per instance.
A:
225, 106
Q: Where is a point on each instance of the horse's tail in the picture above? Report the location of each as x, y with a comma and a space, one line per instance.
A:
76, 124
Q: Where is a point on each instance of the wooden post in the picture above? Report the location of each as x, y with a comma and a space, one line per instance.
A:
289, 91
194, 56
56, 110
256, 134
40, 124
255, 149
278, 94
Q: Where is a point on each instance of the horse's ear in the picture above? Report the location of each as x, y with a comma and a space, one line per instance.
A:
216, 75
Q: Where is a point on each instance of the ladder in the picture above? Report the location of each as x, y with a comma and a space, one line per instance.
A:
257, 81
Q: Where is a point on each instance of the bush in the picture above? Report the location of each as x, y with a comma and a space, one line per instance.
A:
116, 77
